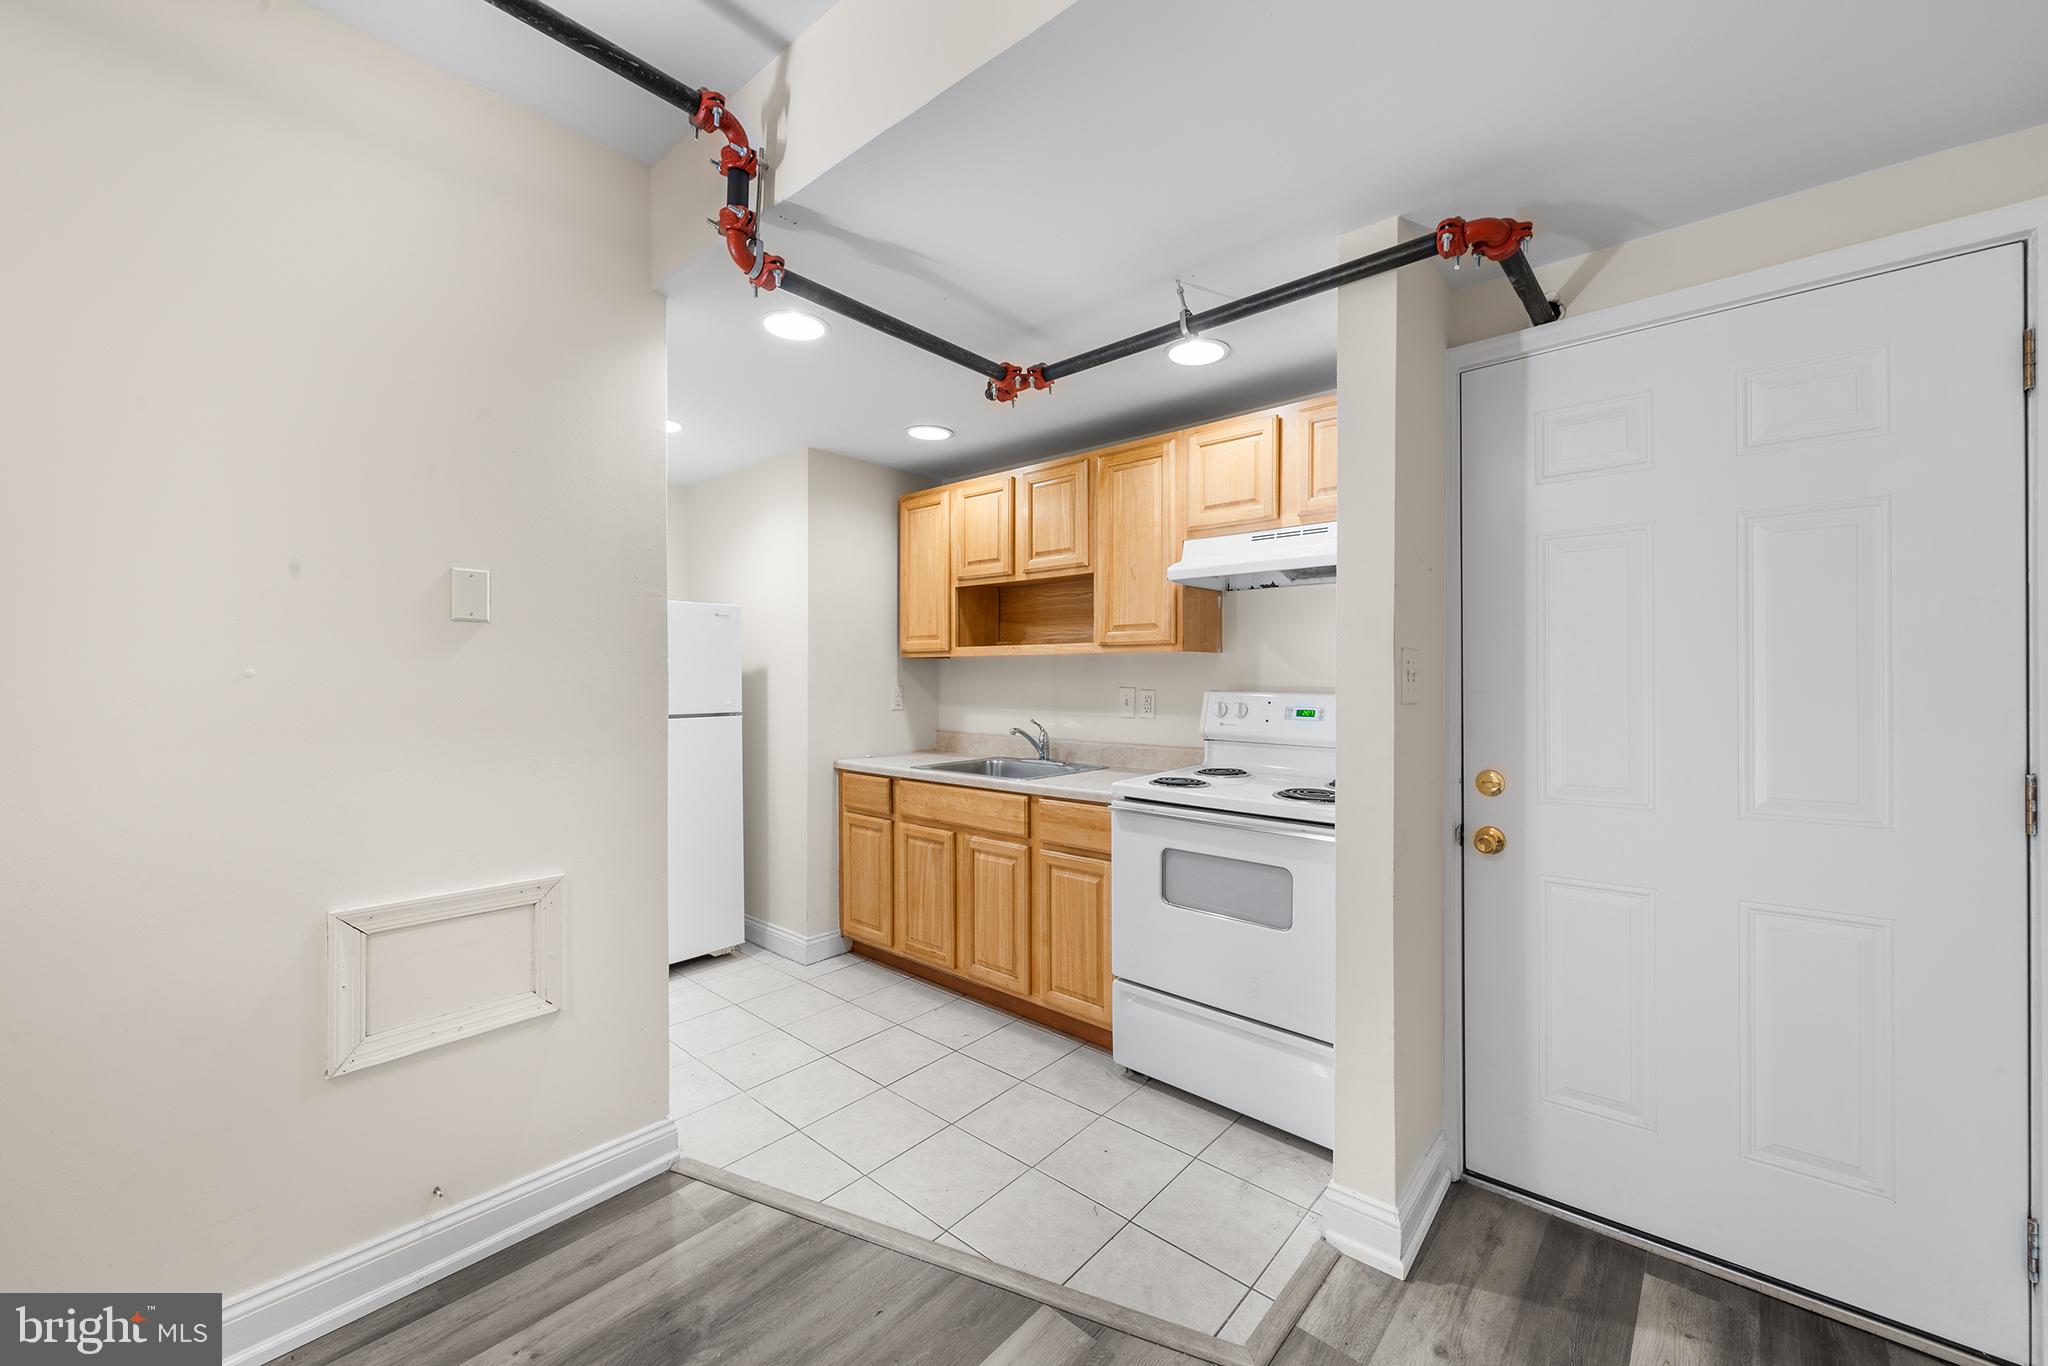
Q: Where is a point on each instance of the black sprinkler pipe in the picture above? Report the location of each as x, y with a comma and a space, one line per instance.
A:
603, 51
1344, 273
1529, 289
888, 325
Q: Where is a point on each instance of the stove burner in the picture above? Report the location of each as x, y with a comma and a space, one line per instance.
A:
1320, 796
1221, 773
1175, 780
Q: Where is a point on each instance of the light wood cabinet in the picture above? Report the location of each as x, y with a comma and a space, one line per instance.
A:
995, 912
1137, 536
924, 574
926, 926
984, 529
1308, 463
1052, 518
867, 878
1070, 908
1232, 474
996, 894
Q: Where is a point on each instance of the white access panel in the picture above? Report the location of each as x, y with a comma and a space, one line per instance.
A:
703, 659
1744, 628
706, 846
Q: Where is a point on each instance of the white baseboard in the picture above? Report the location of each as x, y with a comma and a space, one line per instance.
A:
805, 949
1386, 1237
262, 1324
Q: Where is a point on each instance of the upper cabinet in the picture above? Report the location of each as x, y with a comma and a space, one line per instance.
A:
924, 574
1233, 474
1052, 517
984, 531
1069, 556
1308, 463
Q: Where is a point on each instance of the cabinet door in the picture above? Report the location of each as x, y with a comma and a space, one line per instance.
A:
924, 574
925, 929
867, 884
1233, 474
1308, 463
1136, 537
984, 529
1052, 518
995, 912
1070, 913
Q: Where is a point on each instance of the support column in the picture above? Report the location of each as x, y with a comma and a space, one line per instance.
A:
1391, 1161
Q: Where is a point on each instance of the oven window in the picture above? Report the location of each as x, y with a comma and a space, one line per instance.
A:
1255, 892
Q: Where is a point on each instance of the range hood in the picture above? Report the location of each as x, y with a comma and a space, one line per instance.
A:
1280, 558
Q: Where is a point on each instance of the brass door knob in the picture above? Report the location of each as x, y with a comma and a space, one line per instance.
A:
1488, 839
1491, 782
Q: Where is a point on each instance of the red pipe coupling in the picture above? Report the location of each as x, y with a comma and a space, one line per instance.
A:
1494, 238
739, 227
1014, 380
713, 117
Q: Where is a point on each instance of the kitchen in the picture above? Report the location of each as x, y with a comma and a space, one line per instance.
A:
974, 1070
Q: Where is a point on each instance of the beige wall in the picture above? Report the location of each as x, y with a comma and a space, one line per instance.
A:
806, 545
1911, 194
1390, 342
293, 323
1278, 639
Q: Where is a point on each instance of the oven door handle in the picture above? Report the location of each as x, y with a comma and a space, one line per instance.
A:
1227, 822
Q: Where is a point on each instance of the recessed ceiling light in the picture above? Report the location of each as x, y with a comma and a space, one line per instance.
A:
1197, 351
672, 426
925, 431
794, 325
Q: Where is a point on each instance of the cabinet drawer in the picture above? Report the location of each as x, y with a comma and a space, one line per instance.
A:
1000, 813
864, 792
1073, 825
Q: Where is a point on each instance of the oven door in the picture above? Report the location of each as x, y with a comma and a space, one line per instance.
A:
1233, 912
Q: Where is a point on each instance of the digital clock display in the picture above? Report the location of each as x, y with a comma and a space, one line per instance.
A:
1306, 713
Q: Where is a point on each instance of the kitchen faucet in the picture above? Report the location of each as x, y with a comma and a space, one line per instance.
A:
1040, 742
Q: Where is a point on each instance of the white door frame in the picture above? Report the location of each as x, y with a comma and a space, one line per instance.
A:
2025, 222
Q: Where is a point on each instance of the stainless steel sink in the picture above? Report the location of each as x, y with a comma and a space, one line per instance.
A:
1024, 769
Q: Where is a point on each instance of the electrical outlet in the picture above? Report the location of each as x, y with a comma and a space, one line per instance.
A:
1146, 709
896, 699
1411, 675
1126, 701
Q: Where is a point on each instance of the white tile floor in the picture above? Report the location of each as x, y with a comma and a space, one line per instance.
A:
894, 1099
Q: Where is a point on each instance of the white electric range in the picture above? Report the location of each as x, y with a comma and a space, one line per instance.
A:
1223, 913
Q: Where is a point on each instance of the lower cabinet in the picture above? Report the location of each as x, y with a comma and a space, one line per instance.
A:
926, 926
1070, 904
1005, 892
867, 878
995, 912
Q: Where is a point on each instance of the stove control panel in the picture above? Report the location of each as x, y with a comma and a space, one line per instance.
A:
1287, 718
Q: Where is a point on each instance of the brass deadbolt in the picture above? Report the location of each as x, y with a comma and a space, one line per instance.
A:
1491, 782
1488, 839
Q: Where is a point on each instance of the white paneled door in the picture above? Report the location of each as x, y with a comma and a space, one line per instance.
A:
1745, 640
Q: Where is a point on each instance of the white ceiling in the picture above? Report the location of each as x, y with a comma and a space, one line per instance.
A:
1046, 203
715, 43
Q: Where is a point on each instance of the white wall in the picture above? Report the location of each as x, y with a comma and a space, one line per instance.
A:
806, 545
1892, 199
1281, 638
292, 324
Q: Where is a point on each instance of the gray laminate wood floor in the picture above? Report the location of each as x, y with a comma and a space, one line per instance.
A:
675, 1271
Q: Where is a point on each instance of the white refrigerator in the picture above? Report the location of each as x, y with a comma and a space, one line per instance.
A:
706, 881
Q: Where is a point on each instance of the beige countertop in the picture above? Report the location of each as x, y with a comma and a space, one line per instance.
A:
1092, 786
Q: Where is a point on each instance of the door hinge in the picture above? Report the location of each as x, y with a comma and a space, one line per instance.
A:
2033, 814
2033, 1250
2027, 361
1458, 834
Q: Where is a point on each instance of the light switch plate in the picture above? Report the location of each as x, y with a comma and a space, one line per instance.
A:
1126, 701
896, 699
469, 595
1411, 675
1146, 706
